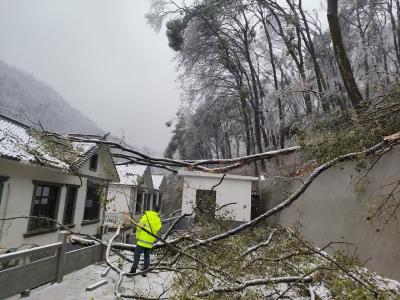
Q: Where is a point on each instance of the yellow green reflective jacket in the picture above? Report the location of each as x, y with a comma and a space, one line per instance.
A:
152, 222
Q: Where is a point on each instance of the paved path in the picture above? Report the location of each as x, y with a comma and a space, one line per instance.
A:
74, 286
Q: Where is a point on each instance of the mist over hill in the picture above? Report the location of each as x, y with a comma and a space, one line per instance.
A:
25, 98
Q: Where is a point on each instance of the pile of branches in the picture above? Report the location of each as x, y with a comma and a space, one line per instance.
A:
258, 263
327, 136
213, 262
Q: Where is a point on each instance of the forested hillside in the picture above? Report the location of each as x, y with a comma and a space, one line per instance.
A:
262, 75
26, 98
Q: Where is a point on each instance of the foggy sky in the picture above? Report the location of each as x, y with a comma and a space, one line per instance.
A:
102, 57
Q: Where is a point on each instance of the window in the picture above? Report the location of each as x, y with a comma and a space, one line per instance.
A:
206, 202
2, 180
139, 203
70, 201
93, 162
154, 200
92, 203
1, 190
45, 204
147, 201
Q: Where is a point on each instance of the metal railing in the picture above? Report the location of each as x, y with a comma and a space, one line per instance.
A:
27, 269
113, 219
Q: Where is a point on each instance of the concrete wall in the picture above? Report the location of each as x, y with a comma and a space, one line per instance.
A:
229, 191
171, 199
17, 201
335, 208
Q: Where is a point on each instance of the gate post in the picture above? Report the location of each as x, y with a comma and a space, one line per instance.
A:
62, 237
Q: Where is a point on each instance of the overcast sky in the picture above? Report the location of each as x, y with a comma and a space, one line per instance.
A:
102, 57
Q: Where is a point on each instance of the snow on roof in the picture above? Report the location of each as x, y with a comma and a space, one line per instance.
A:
83, 148
19, 142
157, 181
129, 174
213, 175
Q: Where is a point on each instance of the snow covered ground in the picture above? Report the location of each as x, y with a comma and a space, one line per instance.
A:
74, 286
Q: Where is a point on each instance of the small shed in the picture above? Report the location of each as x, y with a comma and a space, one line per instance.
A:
230, 195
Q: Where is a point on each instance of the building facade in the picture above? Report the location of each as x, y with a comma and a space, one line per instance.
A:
228, 197
48, 183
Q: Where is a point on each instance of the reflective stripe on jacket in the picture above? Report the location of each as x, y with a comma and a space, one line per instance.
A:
152, 222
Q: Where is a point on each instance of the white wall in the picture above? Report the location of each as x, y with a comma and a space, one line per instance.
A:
336, 207
229, 191
105, 166
121, 196
19, 189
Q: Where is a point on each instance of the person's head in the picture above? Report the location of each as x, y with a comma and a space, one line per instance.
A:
156, 208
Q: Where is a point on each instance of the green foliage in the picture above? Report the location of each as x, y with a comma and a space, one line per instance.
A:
269, 262
57, 148
175, 34
338, 133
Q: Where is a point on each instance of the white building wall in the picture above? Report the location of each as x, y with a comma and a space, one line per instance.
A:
105, 166
16, 201
229, 191
121, 197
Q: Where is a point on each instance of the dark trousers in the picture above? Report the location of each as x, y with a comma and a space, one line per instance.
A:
136, 258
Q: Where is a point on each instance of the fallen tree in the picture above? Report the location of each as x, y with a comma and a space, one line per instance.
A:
202, 252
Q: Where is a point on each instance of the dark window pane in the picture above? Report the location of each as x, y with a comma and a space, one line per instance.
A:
70, 201
1, 190
39, 190
92, 203
93, 162
45, 191
154, 200
147, 202
139, 203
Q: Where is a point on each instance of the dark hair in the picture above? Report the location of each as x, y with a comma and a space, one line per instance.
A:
156, 208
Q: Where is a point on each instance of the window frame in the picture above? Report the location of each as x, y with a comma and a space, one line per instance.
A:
154, 200
2, 180
86, 221
139, 203
147, 201
76, 187
56, 206
94, 162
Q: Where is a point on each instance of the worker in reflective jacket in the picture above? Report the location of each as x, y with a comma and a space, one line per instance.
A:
150, 221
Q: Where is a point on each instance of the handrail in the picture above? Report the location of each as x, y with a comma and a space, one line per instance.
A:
170, 219
13, 255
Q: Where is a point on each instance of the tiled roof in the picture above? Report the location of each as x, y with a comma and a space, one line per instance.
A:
130, 173
18, 142
86, 151
157, 181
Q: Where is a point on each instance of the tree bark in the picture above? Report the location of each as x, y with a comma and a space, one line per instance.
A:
341, 56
